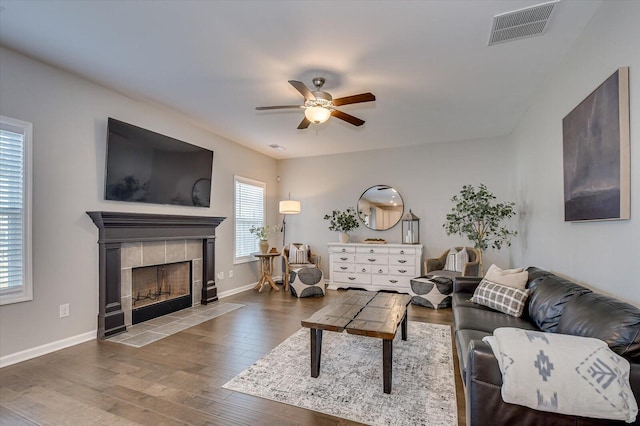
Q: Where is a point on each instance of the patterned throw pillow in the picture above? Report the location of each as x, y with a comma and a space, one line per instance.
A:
298, 255
508, 300
456, 260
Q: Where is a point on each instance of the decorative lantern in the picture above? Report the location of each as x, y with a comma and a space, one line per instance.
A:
410, 229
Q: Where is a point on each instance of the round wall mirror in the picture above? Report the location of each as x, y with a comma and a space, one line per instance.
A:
380, 207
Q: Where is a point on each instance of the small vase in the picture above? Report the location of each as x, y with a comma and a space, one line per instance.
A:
344, 237
264, 246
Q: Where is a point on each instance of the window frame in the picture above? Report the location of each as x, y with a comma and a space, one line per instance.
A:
25, 292
246, 181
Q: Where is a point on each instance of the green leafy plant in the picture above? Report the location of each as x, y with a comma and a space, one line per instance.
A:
264, 232
476, 216
345, 221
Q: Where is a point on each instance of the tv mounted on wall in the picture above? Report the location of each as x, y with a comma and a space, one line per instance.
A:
147, 167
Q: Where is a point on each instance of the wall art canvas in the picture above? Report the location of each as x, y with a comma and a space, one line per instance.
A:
597, 175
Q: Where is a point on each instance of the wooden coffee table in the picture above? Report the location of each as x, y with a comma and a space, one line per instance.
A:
364, 313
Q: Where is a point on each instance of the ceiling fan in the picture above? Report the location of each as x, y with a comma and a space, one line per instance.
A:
319, 105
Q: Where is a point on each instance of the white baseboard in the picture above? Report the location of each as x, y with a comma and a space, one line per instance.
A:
236, 290
25, 355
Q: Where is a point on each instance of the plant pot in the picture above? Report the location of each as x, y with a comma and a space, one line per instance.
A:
344, 237
264, 246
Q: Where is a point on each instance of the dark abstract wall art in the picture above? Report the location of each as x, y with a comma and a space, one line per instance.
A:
597, 175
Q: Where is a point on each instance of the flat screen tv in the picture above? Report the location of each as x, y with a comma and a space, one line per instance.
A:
147, 167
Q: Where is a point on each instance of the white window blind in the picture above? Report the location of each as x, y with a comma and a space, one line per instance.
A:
249, 211
15, 217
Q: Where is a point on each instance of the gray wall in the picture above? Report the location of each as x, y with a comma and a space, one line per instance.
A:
427, 176
69, 116
602, 255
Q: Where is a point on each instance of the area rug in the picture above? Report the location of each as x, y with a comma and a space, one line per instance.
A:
350, 381
147, 332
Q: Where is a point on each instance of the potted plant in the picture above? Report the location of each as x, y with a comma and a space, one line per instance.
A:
263, 233
478, 218
343, 222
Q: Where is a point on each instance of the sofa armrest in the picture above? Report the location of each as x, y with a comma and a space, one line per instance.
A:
465, 284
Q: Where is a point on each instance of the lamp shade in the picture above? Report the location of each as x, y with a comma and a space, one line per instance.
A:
317, 114
289, 207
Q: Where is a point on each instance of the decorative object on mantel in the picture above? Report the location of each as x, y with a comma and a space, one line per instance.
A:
411, 228
476, 217
263, 233
343, 222
596, 148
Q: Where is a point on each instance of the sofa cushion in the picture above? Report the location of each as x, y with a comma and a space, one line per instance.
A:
549, 295
605, 318
506, 299
510, 277
463, 300
486, 320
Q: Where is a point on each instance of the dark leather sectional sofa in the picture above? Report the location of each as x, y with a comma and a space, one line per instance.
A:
555, 305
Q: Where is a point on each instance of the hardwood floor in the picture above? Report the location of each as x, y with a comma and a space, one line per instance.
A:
177, 380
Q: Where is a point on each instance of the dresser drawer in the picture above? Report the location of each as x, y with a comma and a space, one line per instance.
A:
409, 271
410, 251
379, 269
362, 268
372, 250
344, 267
390, 281
402, 260
372, 259
339, 250
343, 258
351, 279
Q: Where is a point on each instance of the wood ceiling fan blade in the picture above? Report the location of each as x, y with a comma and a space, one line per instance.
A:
279, 107
300, 87
304, 124
355, 99
346, 117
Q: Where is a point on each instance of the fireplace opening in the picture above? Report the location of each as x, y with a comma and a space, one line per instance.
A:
160, 289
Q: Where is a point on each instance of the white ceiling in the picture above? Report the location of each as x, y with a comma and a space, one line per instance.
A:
427, 62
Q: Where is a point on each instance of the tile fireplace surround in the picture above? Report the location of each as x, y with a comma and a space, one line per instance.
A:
127, 240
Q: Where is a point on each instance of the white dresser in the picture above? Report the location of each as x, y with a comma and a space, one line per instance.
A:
374, 266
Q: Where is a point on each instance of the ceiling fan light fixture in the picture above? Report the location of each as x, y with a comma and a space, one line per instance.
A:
317, 114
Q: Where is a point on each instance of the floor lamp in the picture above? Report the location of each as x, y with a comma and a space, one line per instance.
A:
287, 207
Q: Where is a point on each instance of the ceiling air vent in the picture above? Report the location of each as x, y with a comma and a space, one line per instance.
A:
528, 22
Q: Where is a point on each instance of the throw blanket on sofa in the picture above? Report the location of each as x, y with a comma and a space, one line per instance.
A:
563, 374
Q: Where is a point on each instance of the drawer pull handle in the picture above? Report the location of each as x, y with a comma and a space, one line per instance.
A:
402, 261
344, 268
402, 271
401, 251
379, 271
344, 250
371, 251
371, 260
352, 278
393, 281
364, 269
344, 258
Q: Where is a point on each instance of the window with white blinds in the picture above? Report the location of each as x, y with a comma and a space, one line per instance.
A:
249, 211
15, 213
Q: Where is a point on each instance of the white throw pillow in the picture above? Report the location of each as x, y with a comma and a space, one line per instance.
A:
516, 278
456, 260
298, 255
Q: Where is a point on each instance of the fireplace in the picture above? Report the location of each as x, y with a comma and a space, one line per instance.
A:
159, 290
128, 241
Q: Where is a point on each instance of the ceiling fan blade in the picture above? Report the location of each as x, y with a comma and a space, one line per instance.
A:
300, 87
346, 117
279, 107
355, 99
304, 123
